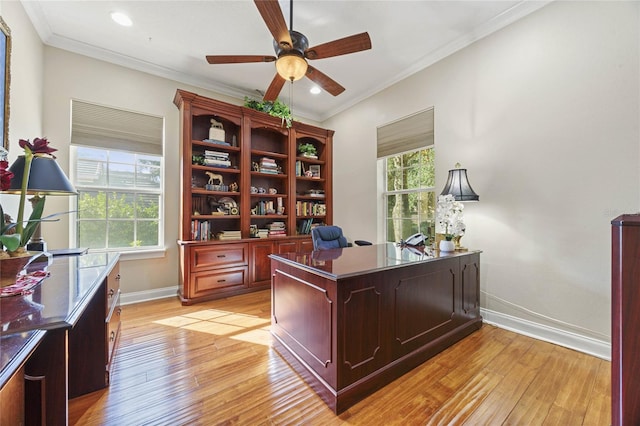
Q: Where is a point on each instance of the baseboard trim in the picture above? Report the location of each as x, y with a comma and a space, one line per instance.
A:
147, 295
597, 348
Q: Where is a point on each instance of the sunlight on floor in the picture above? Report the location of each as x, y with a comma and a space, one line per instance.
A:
247, 328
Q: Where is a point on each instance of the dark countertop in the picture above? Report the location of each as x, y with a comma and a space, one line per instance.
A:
56, 302
350, 261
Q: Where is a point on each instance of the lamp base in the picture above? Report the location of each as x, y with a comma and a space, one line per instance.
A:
37, 246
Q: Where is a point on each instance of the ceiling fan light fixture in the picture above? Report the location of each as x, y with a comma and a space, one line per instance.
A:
291, 67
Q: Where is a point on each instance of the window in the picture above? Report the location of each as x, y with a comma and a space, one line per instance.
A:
407, 159
117, 168
409, 197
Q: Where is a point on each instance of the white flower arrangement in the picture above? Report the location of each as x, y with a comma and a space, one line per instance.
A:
449, 218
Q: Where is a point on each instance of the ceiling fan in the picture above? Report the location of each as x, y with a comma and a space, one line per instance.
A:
292, 51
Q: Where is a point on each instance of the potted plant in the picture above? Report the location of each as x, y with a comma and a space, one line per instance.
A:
273, 108
308, 150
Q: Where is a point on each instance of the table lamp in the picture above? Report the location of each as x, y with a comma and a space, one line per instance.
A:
45, 178
458, 185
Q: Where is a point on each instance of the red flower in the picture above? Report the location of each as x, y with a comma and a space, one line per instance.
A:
40, 146
5, 175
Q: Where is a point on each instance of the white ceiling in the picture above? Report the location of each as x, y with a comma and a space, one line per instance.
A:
171, 38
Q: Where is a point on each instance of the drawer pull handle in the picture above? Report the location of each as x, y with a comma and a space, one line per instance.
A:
221, 281
222, 255
118, 277
111, 292
112, 336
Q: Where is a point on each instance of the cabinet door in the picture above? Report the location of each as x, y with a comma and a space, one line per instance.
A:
260, 264
306, 245
287, 246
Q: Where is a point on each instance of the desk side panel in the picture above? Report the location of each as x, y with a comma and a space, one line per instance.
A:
303, 318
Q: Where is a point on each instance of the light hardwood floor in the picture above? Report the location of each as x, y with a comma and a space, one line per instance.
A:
211, 364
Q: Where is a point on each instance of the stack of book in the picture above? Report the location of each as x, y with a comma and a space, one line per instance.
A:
229, 235
263, 233
268, 165
216, 159
277, 229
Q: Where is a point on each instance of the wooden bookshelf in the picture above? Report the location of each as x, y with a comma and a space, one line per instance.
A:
260, 157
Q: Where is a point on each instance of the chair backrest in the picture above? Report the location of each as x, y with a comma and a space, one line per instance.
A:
327, 237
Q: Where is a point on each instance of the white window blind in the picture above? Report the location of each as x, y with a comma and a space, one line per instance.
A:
111, 128
407, 134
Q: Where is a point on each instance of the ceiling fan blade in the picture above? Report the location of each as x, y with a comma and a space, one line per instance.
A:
238, 59
324, 81
273, 17
274, 88
343, 46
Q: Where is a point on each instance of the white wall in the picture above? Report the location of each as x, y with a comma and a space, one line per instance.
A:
27, 70
544, 115
25, 93
71, 76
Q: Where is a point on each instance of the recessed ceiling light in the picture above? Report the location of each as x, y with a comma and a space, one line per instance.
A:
121, 19
315, 90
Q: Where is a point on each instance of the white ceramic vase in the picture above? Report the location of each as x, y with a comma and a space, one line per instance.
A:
447, 246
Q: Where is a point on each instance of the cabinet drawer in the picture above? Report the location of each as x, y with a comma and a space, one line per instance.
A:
218, 256
113, 327
113, 287
218, 280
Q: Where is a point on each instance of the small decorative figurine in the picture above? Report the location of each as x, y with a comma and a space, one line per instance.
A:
214, 176
233, 187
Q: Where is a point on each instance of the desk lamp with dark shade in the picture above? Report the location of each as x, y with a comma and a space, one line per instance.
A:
458, 185
45, 178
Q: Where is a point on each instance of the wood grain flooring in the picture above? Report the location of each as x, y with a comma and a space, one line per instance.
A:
211, 364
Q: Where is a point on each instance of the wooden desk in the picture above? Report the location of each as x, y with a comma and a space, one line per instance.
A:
352, 320
55, 342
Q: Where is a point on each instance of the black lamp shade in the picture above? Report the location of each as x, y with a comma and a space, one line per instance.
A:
458, 186
45, 177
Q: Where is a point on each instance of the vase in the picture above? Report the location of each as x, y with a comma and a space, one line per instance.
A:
447, 246
10, 267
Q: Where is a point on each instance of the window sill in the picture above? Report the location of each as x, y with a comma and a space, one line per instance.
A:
136, 254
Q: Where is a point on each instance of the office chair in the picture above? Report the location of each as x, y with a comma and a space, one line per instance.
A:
328, 237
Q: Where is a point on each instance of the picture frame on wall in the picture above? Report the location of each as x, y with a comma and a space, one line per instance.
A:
5, 77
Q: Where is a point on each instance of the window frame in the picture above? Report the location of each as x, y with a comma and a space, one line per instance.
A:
139, 252
385, 193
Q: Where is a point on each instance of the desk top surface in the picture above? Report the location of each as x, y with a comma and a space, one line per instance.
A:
56, 302
352, 261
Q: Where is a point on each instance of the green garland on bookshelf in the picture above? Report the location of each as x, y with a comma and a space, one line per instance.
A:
273, 108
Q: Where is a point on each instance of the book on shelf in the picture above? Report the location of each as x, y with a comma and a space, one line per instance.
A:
200, 230
229, 235
268, 165
215, 141
216, 159
217, 163
277, 229
310, 208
